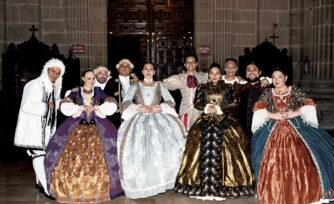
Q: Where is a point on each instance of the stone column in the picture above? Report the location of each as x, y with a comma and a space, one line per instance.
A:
323, 48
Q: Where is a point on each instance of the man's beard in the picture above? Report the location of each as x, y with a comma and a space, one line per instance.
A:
253, 80
104, 81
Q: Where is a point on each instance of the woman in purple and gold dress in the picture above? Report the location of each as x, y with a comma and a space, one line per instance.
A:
81, 160
291, 157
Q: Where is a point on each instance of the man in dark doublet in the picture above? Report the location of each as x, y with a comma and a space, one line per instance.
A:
119, 85
247, 94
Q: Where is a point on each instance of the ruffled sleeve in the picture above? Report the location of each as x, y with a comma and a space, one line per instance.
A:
308, 107
173, 82
109, 105
261, 114
68, 106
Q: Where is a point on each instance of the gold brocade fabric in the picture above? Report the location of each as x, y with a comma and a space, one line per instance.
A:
287, 157
236, 168
189, 170
236, 162
81, 174
216, 159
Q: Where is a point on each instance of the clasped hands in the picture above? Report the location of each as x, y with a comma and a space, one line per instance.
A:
89, 109
149, 109
285, 115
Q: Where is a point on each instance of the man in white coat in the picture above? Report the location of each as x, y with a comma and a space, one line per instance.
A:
37, 115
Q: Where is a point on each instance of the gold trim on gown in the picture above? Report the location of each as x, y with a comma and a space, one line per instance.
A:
216, 160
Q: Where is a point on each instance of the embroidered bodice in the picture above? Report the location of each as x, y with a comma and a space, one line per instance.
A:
294, 99
220, 94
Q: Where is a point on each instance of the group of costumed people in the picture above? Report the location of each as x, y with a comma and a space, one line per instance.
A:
232, 138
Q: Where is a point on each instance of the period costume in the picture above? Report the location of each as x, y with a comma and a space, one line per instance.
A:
150, 145
292, 159
236, 80
247, 94
117, 87
187, 84
81, 161
216, 159
36, 122
102, 85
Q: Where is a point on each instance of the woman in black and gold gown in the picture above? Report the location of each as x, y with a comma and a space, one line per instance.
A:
216, 160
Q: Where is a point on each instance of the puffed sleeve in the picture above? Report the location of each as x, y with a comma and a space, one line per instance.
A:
261, 114
200, 99
129, 108
229, 103
68, 106
308, 107
169, 104
173, 82
202, 77
109, 105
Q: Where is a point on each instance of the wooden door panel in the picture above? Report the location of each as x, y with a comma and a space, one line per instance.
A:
166, 24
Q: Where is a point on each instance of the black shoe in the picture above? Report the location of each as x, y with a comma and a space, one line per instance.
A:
49, 197
41, 190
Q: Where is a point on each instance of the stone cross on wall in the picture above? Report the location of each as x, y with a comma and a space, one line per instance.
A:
274, 36
33, 29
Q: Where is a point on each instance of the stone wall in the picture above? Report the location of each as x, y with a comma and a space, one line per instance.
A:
228, 26
64, 22
305, 27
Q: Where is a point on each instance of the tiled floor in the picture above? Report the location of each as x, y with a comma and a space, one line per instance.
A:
17, 185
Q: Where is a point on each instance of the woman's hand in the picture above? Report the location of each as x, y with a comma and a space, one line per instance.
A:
143, 109
155, 108
264, 82
277, 116
292, 114
89, 109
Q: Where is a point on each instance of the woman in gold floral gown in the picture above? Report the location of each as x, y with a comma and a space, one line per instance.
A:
216, 161
81, 158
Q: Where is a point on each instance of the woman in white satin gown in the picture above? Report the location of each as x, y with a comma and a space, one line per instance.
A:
151, 139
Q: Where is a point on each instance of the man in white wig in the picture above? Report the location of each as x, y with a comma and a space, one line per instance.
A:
119, 85
102, 76
37, 115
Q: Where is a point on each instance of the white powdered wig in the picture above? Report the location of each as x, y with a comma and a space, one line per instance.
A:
102, 67
125, 61
58, 83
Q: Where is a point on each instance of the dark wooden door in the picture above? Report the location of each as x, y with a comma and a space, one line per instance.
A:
163, 29
125, 46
